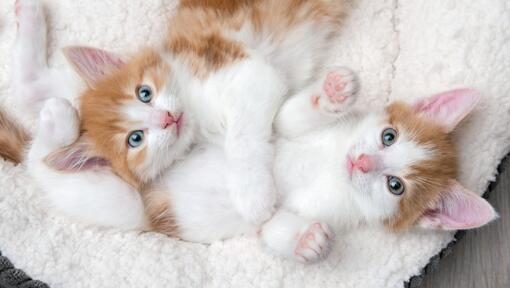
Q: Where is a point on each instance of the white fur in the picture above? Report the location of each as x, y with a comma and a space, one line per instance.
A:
234, 108
297, 56
203, 209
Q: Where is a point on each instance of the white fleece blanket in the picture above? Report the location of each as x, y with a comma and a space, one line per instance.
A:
401, 49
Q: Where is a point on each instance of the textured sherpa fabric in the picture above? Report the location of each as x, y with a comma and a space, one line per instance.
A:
402, 49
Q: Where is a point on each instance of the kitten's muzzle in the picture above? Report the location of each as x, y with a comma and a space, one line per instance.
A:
168, 119
364, 163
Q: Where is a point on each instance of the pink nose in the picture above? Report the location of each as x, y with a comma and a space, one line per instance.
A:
167, 120
364, 163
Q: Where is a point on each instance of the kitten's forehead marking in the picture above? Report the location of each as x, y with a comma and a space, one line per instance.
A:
399, 157
136, 114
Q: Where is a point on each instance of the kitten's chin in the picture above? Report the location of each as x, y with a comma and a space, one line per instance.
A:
182, 145
172, 145
164, 158
359, 183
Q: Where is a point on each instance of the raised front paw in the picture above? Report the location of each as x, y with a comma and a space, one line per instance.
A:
253, 194
337, 92
314, 243
58, 122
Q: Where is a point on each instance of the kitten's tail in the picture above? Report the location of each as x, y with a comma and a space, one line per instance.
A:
13, 139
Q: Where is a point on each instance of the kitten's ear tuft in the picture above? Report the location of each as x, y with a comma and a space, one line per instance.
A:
92, 63
458, 209
449, 108
75, 158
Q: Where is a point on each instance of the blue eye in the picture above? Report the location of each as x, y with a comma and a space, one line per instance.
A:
395, 185
135, 138
389, 136
144, 93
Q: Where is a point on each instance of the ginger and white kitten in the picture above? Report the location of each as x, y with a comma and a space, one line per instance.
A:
334, 166
219, 77
337, 166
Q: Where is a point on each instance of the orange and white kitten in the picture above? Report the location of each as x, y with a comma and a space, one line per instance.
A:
334, 166
219, 77
337, 166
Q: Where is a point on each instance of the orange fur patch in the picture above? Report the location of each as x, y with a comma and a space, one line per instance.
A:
198, 31
159, 212
427, 179
204, 53
13, 139
226, 6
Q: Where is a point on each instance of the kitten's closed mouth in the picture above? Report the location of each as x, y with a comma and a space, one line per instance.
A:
178, 123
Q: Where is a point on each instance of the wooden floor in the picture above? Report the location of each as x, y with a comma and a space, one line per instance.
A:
482, 258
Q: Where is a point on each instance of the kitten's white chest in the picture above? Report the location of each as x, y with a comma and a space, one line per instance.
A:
310, 174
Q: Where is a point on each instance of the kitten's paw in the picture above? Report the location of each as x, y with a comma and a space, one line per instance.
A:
314, 244
338, 91
58, 122
253, 195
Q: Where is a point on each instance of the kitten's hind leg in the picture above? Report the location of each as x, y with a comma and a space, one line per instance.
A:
297, 238
322, 103
32, 81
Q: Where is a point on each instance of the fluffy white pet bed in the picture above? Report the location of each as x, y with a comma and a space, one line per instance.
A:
401, 49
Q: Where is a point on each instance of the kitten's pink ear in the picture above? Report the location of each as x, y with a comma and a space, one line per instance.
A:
458, 209
75, 158
92, 63
448, 108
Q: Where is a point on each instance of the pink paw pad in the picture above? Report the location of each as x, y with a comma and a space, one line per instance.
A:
314, 243
334, 87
